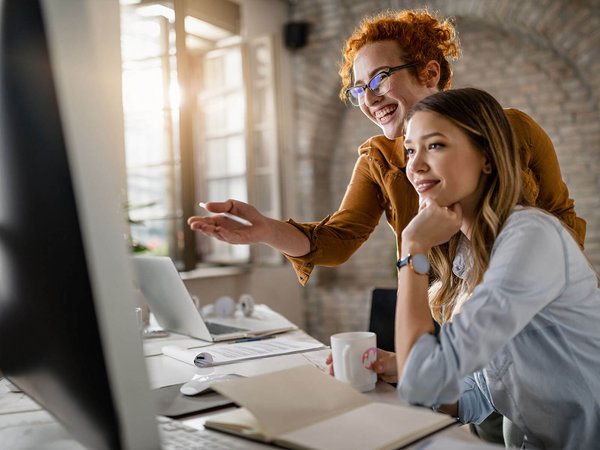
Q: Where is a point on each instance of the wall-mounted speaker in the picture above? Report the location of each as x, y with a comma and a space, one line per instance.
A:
295, 34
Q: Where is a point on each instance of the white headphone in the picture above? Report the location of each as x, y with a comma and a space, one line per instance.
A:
226, 306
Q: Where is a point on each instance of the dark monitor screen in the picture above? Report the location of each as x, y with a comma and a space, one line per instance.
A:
53, 316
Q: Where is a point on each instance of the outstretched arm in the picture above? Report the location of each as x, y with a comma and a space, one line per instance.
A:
280, 235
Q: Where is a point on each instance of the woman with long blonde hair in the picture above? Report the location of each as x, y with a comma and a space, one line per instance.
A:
514, 292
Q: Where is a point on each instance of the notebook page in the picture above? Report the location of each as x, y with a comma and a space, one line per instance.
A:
376, 426
293, 398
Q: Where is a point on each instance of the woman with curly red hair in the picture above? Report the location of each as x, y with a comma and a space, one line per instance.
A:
390, 62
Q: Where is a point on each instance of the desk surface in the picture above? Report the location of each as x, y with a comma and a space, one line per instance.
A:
19, 416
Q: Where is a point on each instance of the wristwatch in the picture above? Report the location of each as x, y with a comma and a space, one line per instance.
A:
417, 262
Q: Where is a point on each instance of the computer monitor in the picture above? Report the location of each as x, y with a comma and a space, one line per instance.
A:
67, 323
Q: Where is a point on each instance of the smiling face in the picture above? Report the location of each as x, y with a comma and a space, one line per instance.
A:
443, 163
389, 110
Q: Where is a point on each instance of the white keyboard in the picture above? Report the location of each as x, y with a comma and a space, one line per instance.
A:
176, 435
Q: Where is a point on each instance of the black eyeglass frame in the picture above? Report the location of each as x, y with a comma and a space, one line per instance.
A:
387, 72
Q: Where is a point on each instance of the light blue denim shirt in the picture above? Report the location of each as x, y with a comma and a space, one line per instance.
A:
527, 342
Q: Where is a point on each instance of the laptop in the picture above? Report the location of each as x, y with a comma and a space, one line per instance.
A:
174, 309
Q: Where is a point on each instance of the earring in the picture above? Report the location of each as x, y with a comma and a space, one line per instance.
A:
487, 168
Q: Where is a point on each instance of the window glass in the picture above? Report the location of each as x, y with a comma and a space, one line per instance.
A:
219, 72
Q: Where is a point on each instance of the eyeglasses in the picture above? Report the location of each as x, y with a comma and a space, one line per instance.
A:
378, 85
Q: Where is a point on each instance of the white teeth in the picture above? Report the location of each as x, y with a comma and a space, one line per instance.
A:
424, 186
382, 112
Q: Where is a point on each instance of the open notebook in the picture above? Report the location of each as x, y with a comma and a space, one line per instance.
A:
303, 408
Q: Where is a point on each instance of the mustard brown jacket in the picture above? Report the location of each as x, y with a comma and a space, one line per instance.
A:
379, 184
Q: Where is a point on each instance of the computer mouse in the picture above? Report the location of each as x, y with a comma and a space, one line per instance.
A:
202, 384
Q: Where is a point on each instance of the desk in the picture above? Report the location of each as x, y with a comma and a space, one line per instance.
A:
40, 431
164, 371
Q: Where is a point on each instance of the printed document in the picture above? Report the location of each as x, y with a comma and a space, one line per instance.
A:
228, 353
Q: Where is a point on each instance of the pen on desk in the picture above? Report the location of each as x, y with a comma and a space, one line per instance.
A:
229, 216
252, 339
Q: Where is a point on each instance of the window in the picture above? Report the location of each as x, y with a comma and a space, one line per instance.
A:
200, 125
222, 103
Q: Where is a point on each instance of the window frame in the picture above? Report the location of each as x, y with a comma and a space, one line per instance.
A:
190, 176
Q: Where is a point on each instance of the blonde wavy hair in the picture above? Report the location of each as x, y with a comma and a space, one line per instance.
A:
483, 120
422, 36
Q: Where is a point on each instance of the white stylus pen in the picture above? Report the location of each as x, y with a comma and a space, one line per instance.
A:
229, 216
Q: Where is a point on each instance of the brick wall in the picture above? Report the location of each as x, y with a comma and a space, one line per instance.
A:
541, 56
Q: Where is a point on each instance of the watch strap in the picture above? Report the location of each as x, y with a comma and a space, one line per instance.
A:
408, 261
403, 261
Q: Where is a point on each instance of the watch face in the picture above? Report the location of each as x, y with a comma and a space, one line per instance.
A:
420, 263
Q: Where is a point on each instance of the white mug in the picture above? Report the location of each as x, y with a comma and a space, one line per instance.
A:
353, 353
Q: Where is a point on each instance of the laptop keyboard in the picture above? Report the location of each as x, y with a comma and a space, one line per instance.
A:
175, 435
217, 328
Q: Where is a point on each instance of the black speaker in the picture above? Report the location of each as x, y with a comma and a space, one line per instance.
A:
295, 34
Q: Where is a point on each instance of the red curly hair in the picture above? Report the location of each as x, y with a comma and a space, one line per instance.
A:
422, 37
